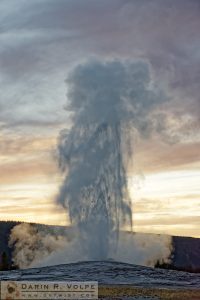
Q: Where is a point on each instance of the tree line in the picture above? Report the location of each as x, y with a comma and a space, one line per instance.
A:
5, 264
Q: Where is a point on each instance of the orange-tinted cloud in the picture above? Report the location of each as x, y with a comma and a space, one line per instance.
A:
155, 156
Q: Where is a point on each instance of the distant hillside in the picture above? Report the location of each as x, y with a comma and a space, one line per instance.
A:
185, 255
5, 229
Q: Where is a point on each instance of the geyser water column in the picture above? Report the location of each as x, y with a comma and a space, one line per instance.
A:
106, 101
96, 186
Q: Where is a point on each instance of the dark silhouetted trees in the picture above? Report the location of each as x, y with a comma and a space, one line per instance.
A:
4, 265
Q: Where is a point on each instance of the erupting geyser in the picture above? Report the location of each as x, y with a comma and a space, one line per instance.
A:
106, 101
95, 189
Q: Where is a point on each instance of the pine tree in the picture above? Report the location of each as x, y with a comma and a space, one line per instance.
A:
4, 262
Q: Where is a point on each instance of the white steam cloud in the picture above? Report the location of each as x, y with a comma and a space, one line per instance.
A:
40, 246
33, 243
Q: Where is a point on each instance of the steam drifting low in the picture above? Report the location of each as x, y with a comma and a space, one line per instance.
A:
39, 245
107, 101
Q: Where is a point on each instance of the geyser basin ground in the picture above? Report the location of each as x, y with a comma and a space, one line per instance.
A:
118, 280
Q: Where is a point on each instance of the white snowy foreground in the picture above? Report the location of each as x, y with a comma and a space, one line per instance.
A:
118, 280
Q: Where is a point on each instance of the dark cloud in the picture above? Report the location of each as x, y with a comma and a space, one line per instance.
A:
42, 40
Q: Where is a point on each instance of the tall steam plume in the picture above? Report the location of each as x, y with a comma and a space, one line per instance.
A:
106, 101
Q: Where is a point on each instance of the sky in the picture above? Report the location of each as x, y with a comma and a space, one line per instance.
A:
41, 41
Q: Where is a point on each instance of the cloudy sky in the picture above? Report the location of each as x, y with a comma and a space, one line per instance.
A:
41, 41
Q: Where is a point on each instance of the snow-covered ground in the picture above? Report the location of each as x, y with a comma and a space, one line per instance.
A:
108, 272
112, 273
